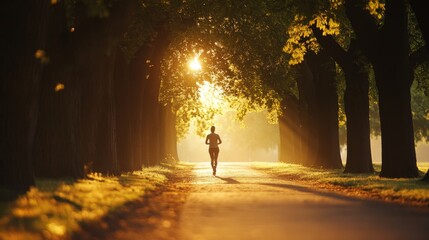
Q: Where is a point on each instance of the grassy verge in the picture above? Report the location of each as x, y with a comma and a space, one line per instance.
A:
405, 191
55, 209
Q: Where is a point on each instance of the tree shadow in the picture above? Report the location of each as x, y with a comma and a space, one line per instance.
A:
322, 193
229, 180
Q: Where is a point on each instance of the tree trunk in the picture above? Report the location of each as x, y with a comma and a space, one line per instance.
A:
388, 50
152, 145
307, 114
289, 128
419, 7
57, 134
398, 150
24, 29
125, 109
356, 103
106, 158
324, 77
168, 135
97, 42
138, 71
78, 123
394, 77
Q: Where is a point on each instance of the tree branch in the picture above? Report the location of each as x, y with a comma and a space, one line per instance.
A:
364, 26
332, 47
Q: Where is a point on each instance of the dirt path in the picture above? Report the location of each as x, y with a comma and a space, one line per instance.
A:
242, 203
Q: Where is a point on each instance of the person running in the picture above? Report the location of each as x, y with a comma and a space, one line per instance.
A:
213, 140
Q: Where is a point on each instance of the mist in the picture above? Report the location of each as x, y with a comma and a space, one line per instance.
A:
253, 139
422, 151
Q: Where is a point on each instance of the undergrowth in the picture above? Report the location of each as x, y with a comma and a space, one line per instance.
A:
54, 209
404, 190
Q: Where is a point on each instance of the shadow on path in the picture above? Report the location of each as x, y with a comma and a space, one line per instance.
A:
324, 193
229, 180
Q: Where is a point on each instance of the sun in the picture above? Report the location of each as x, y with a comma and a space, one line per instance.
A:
195, 64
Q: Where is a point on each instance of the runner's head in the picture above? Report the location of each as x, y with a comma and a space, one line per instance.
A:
212, 129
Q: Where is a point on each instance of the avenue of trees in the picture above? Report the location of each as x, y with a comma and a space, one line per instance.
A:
104, 86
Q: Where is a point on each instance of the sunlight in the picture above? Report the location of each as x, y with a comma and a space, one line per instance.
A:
211, 96
56, 228
195, 64
254, 139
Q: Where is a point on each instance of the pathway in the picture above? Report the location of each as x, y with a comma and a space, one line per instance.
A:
243, 203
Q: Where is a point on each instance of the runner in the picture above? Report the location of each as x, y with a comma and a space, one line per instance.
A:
213, 140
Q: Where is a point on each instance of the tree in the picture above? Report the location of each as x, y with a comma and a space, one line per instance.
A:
319, 91
423, 21
78, 89
258, 61
226, 64
318, 25
24, 25
387, 48
356, 102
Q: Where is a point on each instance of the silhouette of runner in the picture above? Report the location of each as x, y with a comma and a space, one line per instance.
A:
213, 140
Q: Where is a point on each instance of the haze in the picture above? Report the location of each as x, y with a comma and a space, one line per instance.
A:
255, 139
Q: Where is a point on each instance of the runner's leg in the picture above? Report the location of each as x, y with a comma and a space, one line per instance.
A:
216, 154
212, 157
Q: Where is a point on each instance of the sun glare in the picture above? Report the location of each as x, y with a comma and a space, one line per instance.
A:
195, 64
211, 96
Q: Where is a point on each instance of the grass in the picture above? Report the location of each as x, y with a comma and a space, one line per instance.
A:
54, 209
405, 191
